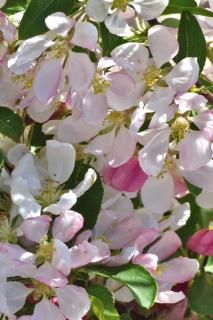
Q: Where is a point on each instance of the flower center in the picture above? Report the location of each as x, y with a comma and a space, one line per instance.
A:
120, 4
151, 75
51, 193
45, 251
99, 83
42, 290
179, 128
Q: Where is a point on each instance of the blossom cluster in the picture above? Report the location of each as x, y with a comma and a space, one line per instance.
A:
106, 169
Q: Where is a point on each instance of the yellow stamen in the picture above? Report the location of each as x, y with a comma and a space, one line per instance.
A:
120, 4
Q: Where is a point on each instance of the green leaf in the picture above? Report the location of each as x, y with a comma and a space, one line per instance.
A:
37, 138
183, 3
201, 293
189, 30
170, 9
171, 22
14, 6
142, 285
11, 125
89, 204
1, 160
108, 40
33, 21
209, 265
103, 294
195, 191
97, 307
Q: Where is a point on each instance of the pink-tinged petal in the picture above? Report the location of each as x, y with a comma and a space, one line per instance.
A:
146, 237
202, 242
163, 44
81, 71
49, 275
94, 108
46, 309
125, 101
131, 55
123, 149
116, 24
83, 236
73, 301
47, 80
85, 36
30, 50
76, 130
178, 218
154, 188
184, 75
59, 23
128, 177
15, 153
166, 246
189, 101
124, 233
13, 296
61, 257
67, 225
102, 144
205, 199
65, 203
174, 311
148, 260
122, 84
97, 11
122, 258
86, 253
36, 228
170, 297
195, 151
61, 160
149, 10
204, 121
152, 156
178, 270
160, 99
88, 181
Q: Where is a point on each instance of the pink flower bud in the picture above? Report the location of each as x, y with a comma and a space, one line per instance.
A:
202, 242
128, 177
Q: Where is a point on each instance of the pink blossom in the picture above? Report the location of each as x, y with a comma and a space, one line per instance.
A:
202, 242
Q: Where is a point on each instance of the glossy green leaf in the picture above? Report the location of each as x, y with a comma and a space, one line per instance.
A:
142, 285
97, 307
193, 10
189, 30
103, 294
89, 204
11, 125
183, 3
14, 6
200, 295
33, 21
108, 40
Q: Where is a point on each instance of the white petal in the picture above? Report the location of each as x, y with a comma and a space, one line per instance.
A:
61, 160
184, 75
73, 300
97, 10
123, 149
61, 257
205, 199
47, 310
94, 108
66, 202
195, 151
163, 44
157, 193
85, 36
86, 184
81, 71
117, 24
59, 23
47, 80
152, 156
150, 9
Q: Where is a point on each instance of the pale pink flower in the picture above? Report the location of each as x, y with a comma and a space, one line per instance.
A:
202, 242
